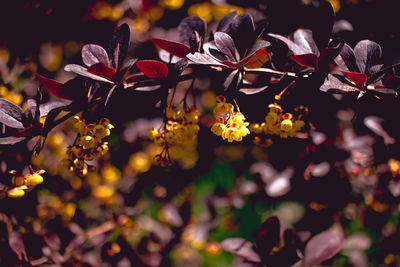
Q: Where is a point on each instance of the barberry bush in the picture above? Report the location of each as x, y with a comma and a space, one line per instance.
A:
200, 133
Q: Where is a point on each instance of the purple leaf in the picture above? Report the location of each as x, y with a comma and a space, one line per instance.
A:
304, 38
53, 87
240, 247
92, 54
48, 106
322, 247
11, 114
17, 245
295, 48
333, 84
252, 91
346, 59
153, 68
204, 59
174, 48
10, 140
102, 70
375, 124
358, 78
256, 47
367, 53
118, 46
52, 240
77, 69
308, 60
226, 21
225, 44
242, 32
188, 26
324, 18
233, 80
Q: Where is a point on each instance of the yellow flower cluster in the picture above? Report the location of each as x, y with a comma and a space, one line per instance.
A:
177, 137
88, 145
22, 182
278, 123
230, 125
16, 98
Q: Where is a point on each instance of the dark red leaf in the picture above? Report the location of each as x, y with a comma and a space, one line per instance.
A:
358, 78
153, 68
31, 131
174, 48
53, 86
308, 60
135, 78
102, 70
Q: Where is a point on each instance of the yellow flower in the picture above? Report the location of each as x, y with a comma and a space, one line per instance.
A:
272, 117
218, 128
286, 125
17, 192
223, 108
232, 134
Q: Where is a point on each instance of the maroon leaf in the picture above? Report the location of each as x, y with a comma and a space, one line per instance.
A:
135, 78
17, 245
358, 78
322, 247
176, 49
102, 70
308, 60
31, 131
92, 54
53, 86
240, 247
153, 68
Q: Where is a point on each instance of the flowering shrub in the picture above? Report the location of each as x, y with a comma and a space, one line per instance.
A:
204, 134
